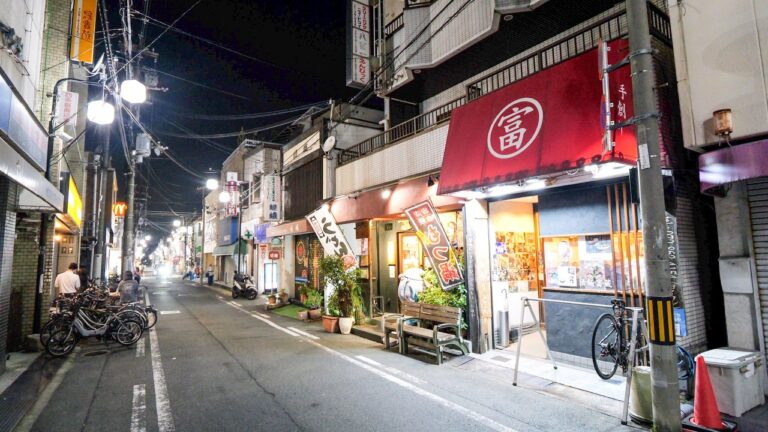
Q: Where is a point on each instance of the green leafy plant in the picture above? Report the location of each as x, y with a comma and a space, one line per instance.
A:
347, 298
303, 288
314, 299
435, 295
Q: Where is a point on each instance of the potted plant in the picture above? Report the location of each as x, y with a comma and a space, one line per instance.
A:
313, 302
303, 290
283, 296
303, 314
272, 299
346, 300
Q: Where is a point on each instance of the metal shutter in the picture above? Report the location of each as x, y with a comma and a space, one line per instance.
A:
758, 208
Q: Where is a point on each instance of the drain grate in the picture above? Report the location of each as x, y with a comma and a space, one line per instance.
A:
95, 353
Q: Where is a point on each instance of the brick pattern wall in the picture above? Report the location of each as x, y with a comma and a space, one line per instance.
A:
55, 45
25, 273
9, 196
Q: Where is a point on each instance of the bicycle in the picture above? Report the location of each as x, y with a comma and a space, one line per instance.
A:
610, 345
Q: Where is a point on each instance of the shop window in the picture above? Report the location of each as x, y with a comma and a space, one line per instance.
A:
514, 260
578, 262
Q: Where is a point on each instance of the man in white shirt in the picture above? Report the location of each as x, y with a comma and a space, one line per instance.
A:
68, 282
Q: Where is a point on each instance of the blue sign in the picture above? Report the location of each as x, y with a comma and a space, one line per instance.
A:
22, 127
227, 231
261, 233
681, 326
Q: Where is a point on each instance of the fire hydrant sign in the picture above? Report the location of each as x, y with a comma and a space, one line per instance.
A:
328, 232
425, 220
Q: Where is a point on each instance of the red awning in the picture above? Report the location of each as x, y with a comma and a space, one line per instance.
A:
546, 123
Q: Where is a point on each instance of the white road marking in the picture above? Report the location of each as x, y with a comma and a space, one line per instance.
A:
162, 403
391, 370
169, 312
486, 421
139, 411
140, 347
236, 303
303, 333
262, 315
268, 322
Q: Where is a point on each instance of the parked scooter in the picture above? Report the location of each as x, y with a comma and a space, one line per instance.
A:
244, 286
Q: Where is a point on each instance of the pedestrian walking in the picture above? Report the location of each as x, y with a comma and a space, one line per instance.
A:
136, 275
209, 275
67, 282
128, 289
82, 273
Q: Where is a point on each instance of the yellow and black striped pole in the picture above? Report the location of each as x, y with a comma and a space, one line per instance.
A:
661, 321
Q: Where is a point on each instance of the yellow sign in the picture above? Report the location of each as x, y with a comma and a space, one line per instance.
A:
119, 208
74, 203
661, 321
83, 31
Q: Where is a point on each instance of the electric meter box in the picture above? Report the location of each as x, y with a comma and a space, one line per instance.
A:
737, 379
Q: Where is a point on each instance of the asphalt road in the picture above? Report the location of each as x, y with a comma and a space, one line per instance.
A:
212, 364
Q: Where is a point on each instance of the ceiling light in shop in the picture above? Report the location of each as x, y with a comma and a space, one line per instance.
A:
609, 170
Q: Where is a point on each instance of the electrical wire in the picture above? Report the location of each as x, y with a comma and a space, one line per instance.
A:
237, 133
159, 23
160, 35
195, 83
230, 117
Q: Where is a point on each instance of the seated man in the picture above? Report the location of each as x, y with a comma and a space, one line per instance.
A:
128, 289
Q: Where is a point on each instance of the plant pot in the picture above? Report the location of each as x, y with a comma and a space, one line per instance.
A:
272, 300
303, 298
345, 325
283, 298
314, 314
303, 315
330, 324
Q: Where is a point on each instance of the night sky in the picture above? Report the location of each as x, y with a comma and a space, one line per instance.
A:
299, 47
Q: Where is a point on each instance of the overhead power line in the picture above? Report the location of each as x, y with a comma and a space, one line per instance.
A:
230, 117
195, 83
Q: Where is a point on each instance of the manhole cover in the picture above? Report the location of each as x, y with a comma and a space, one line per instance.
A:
95, 353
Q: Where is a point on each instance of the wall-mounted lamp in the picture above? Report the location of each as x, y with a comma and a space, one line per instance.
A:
385, 193
723, 122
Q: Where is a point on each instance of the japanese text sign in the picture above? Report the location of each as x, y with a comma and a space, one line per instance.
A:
83, 31
234, 194
270, 196
328, 232
425, 220
358, 43
546, 123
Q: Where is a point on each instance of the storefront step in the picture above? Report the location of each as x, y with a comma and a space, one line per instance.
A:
371, 332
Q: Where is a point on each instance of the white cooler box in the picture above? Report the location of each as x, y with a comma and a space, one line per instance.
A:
737, 378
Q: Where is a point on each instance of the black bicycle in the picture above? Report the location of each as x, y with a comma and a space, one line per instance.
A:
610, 345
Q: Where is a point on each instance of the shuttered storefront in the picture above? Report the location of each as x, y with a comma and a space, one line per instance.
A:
758, 208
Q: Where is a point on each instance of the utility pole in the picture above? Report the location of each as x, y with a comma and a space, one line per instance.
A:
101, 254
128, 237
664, 381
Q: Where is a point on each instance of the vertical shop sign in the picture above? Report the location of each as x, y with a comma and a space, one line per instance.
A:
328, 232
83, 31
66, 108
425, 220
358, 43
234, 195
270, 192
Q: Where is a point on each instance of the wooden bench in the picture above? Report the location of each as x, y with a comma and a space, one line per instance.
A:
412, 328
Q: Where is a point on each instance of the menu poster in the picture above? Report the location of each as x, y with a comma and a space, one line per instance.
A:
426, 222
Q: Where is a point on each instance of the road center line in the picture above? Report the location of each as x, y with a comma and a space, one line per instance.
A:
264, 320
139, 411
486, 421
162, 403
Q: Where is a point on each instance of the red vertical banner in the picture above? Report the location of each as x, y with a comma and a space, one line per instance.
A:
426, 222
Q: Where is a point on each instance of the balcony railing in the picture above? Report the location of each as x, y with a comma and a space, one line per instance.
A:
393, 26
406, 129
607, 29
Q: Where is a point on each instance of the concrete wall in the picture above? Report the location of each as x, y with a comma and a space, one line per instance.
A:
26, 19
9, 195
721, 56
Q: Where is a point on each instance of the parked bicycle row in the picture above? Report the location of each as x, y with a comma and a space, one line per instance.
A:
97, 311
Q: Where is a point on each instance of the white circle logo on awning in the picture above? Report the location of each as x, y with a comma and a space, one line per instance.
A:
515, 128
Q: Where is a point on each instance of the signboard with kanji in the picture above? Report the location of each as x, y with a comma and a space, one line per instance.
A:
83, 31
426, 222
328, 232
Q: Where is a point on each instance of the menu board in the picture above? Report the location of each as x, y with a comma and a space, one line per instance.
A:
426, 222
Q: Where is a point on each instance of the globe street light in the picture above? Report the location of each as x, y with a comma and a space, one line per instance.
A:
212, 184
224, 197
100, 112
147, 237
176, 223
133, 91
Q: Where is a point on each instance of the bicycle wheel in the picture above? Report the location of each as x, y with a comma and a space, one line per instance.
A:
606, 346
136, 314
128, 332
62, 341
52, 326
151, 318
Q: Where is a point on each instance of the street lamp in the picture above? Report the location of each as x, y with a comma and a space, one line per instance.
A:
224, 197
147, 237
100, 112
212, 184
176, 223
133, 91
